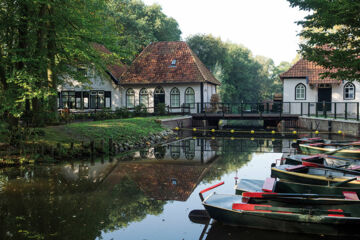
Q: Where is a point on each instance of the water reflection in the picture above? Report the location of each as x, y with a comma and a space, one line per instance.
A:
217, 231
84, 200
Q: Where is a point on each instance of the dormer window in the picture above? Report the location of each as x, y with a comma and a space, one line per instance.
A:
173, 63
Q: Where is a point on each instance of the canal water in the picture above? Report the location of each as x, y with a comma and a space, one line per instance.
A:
144, 195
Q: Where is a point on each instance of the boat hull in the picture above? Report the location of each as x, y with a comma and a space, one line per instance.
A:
347, 153
312, 179
220, 210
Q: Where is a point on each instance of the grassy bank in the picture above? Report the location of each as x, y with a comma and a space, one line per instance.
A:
120, 130
83, 139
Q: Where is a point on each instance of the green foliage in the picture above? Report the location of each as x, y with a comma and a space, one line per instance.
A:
243, 77
44, 43
331, 33
122, 112
140, 110
142, 25
160, 109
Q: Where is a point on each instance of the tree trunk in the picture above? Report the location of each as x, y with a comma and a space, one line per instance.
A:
51, 74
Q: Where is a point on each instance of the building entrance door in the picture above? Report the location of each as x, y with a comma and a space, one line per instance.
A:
159, 96
324, 95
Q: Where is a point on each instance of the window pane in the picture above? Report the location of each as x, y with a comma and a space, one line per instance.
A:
93, 101
107, 102
144, 99
101, 100
130, 101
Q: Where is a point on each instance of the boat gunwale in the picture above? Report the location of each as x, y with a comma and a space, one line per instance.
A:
316, 177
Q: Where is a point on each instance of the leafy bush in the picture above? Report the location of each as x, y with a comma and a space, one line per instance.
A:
122, 112
160, 109
140, 110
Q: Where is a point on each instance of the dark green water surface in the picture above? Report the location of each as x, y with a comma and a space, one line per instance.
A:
145, 195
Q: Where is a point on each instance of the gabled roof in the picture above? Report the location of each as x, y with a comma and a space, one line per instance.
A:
114, 70
154, 66
309, 70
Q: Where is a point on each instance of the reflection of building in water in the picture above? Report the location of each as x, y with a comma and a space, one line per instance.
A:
167, 172
195, 150
161, 180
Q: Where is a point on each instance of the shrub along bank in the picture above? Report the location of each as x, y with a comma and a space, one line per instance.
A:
84, 139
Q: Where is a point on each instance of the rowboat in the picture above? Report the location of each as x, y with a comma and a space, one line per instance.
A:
300, 196
321, 140
237, 211
347, 151
326, 160
316, 175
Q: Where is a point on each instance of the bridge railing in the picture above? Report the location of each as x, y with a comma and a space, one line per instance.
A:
342, 110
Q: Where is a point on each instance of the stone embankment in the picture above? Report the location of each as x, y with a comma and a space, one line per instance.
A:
154, 139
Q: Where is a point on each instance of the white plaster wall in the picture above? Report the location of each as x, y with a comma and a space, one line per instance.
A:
98, 82
338, 98
209, 90
290, 105
167, 88
294, 106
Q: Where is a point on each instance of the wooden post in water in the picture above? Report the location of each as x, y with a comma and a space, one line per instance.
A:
110, 145
92, 147
102, 148
58, 148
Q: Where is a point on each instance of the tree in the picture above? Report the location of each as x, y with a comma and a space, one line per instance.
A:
243, 77
332, 36
209, 49
142, 25
41, 44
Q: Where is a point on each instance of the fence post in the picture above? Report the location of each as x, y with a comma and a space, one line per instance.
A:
335, 104
301, 108
346, 111
241, 109
316, 109
309, 109
357, 111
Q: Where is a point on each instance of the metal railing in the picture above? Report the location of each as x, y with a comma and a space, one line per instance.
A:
336, 110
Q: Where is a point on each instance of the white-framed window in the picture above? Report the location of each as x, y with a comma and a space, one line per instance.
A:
175, 97
190, 97
130, 98
300, 92
144, 97
349, 91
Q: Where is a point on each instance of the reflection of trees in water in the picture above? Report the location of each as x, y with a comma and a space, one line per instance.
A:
41, 206
230, 160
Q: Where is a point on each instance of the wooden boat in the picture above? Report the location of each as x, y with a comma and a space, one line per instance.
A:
316, 175
322, 140
235, 210
347, 151
326, 160
298, 196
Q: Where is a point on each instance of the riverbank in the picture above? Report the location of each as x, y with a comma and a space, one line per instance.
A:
84, 139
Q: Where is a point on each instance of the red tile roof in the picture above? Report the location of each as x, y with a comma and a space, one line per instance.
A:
153, 65
311, 70
117, 69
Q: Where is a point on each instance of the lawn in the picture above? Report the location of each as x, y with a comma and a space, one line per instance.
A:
130, 129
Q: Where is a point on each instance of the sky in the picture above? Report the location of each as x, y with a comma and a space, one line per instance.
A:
266, 27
